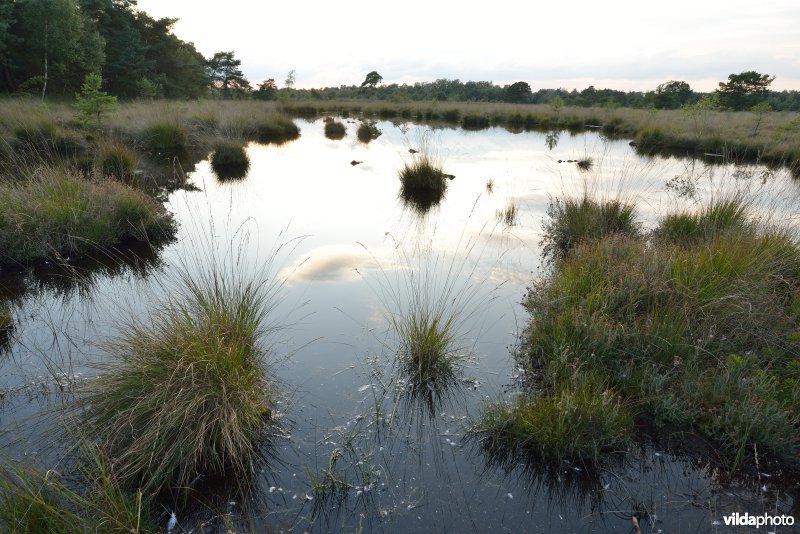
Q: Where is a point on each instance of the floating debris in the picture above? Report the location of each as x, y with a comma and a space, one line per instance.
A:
354, 163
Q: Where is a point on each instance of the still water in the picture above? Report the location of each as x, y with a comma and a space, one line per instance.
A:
349, 254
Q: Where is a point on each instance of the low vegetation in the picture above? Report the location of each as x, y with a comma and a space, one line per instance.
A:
695, 324
164, 137
32, 502
334, 129
367, 131
575, 220
116, 161
229, 161
188, 396
56, 213
575, 420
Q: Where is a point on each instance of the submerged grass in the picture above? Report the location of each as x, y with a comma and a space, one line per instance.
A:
54, 213
188, 397
32, 502
697, 324
508, 215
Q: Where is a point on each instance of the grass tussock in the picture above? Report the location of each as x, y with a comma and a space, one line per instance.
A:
574, 220
334, 129
578, 420
368, 131
424, 172
5, 317
55, 213
164, 137
229, 161
188, 396
116, 161
585, 164
697, 324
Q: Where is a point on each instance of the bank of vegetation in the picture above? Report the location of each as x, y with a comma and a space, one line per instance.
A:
693, 325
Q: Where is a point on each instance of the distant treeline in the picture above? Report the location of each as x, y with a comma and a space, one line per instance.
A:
670, 95
47, 47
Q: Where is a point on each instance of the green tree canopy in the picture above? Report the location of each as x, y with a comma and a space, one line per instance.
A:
672, 94
92, 101
519, 93
743, 90
267, 90
225, 73
372, 79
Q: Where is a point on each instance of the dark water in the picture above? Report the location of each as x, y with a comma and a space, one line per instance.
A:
351, 254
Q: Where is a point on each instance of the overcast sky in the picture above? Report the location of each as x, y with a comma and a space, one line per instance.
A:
619, 44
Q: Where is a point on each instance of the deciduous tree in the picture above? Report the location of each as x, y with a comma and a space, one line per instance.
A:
743, 90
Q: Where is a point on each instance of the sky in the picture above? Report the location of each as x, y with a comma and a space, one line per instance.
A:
619, 44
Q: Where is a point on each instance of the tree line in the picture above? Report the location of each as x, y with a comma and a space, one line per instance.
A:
48, 47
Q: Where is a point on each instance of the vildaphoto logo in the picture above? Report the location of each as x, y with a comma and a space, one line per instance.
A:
746, 520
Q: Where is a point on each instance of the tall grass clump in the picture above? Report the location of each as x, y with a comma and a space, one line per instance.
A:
187, 397
574, 220
116, 161
696, 324
577, 421
229, 161
334, 129
164, 137
509, 214
718, 217
275, 129
55, 213
424, 172
5, 317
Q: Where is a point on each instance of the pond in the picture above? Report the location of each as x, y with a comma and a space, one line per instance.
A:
349, 253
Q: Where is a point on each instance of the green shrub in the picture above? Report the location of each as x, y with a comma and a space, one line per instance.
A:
188, 394
58, 214
164, 137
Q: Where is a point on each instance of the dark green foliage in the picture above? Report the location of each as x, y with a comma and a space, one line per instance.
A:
229, 161
267, 90
574, 220
226, 75
743, 90
473, 121
451, 115
164, 137
517, 93
334, 129
672, 95
372, 79
92, 102
651, 139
